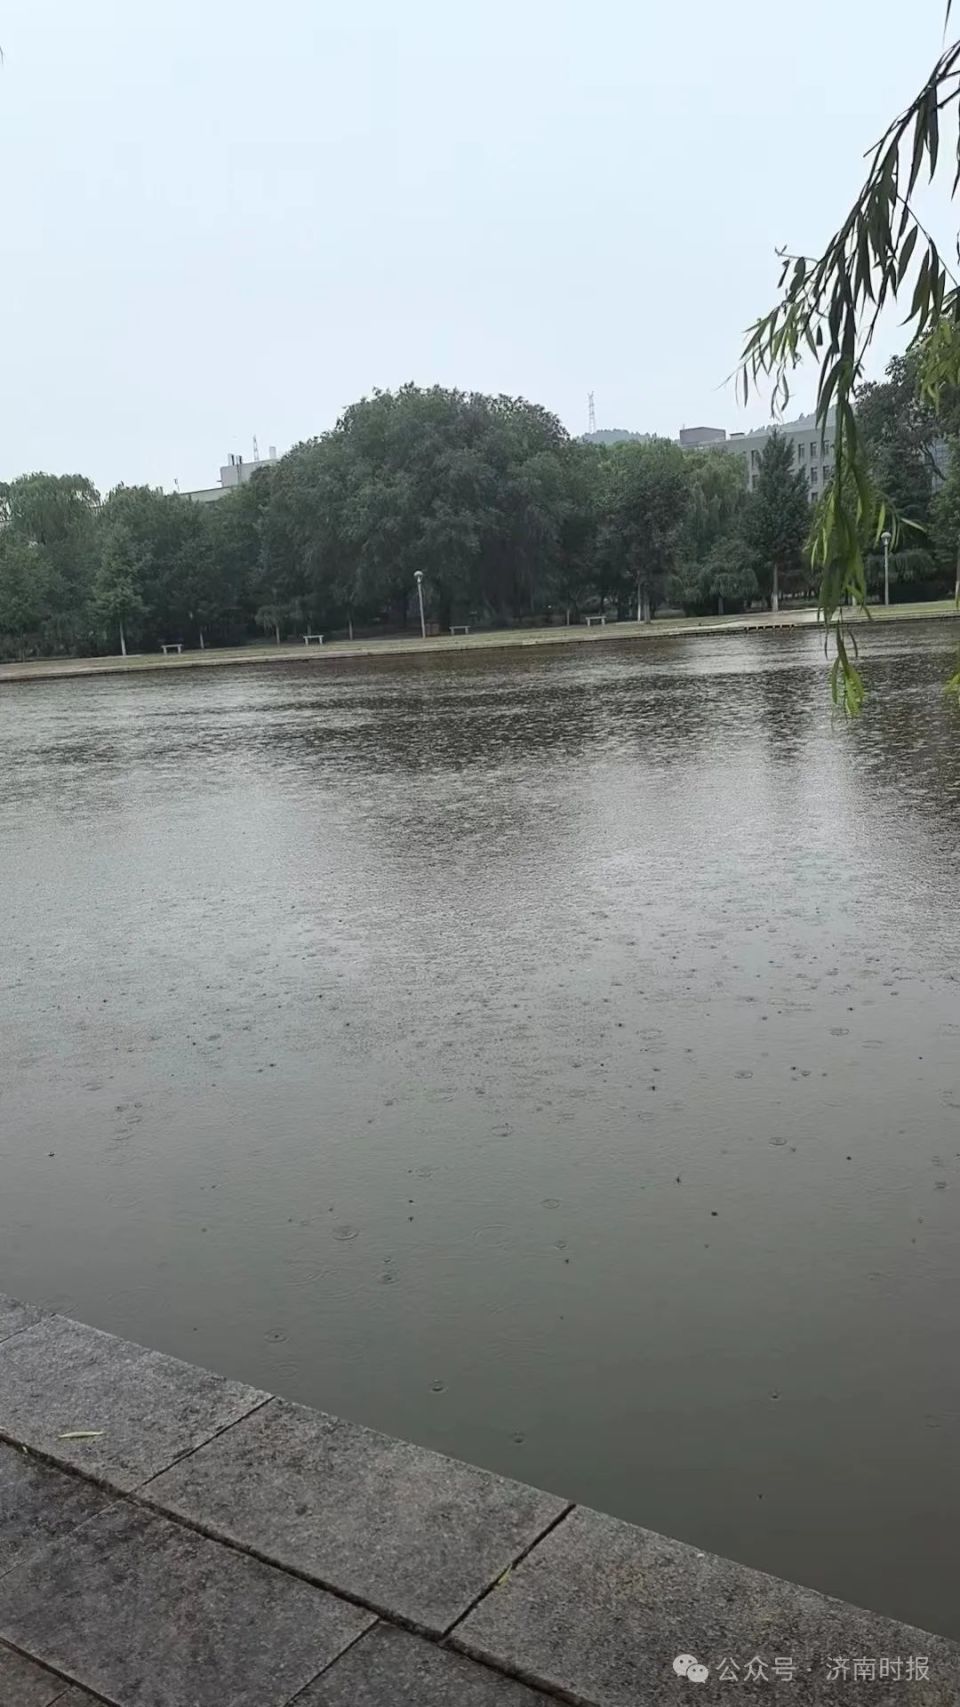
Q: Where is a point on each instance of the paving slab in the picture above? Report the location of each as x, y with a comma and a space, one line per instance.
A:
150, 1614
142, 1410
391, 1668
406, 1531
14, 1316
38, 1503
600, 1611
23, 1684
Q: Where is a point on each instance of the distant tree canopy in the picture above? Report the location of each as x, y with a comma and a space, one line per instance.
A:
507, 518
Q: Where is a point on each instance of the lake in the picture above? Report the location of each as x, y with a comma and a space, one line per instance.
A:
550, 1056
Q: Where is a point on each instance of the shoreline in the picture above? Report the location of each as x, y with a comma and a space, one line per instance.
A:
47, 669
277, 1553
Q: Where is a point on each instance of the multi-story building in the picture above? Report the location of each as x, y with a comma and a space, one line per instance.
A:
813, 457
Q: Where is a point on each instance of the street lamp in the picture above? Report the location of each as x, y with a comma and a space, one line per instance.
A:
886, 537
418, 577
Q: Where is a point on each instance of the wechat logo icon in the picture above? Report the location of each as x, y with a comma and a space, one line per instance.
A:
688, 1666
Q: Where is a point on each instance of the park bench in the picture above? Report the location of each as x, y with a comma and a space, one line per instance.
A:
459, 628
317, 637
590, 620
171, 646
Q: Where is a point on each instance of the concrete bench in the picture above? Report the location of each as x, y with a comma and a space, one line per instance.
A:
317, 637
590, 620
171, 646
460, 628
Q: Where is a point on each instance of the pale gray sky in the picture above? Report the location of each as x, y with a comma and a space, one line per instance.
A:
223, 220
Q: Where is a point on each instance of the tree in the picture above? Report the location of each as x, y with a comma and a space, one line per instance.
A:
149, 544
914, 573
24, 591
945, 521
829, 308
717, 496
117, 596
645, 492
730, 577
55, 515
722, 583
219, 571
574, 578
776, 520
901, 431
469, 490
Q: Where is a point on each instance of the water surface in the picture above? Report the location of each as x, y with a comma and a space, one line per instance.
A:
551, 1056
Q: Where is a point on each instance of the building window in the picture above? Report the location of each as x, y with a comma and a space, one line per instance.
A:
801, 449
813, 448
813, 477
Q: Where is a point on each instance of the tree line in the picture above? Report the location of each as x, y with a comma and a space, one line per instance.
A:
506, 516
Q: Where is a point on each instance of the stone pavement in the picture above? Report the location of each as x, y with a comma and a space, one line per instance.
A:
172, 1539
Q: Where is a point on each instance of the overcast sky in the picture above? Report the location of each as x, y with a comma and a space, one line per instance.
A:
228, 220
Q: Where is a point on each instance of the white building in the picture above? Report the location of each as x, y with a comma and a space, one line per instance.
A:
814, 459
235, 472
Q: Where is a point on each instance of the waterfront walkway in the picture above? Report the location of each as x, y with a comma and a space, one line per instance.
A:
169, 1538
496, 639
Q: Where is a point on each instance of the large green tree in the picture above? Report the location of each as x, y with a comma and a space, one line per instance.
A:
221, 574
645, 495
776, 520
55, 516
470, 491
150, 542
25, 593
720, 583
901, 437
717, 498
119, 580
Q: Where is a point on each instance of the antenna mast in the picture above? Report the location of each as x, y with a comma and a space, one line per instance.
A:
591, 413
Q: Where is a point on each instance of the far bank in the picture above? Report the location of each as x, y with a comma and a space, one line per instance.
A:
42, 669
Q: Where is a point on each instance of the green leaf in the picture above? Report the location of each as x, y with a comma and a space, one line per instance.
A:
933, 130
864, 262
919, 138
910, 243
921, 292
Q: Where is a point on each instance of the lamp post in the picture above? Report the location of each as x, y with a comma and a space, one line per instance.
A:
418, 577
886, 537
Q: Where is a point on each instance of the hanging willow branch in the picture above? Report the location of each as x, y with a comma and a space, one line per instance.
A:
829, 308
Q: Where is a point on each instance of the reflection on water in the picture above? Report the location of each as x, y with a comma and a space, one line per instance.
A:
551, 1056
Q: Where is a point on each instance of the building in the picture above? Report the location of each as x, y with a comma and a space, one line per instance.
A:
694, 438
235, 472
809, 455
813, 459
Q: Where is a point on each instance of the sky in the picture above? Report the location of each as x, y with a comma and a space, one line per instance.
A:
223, 221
